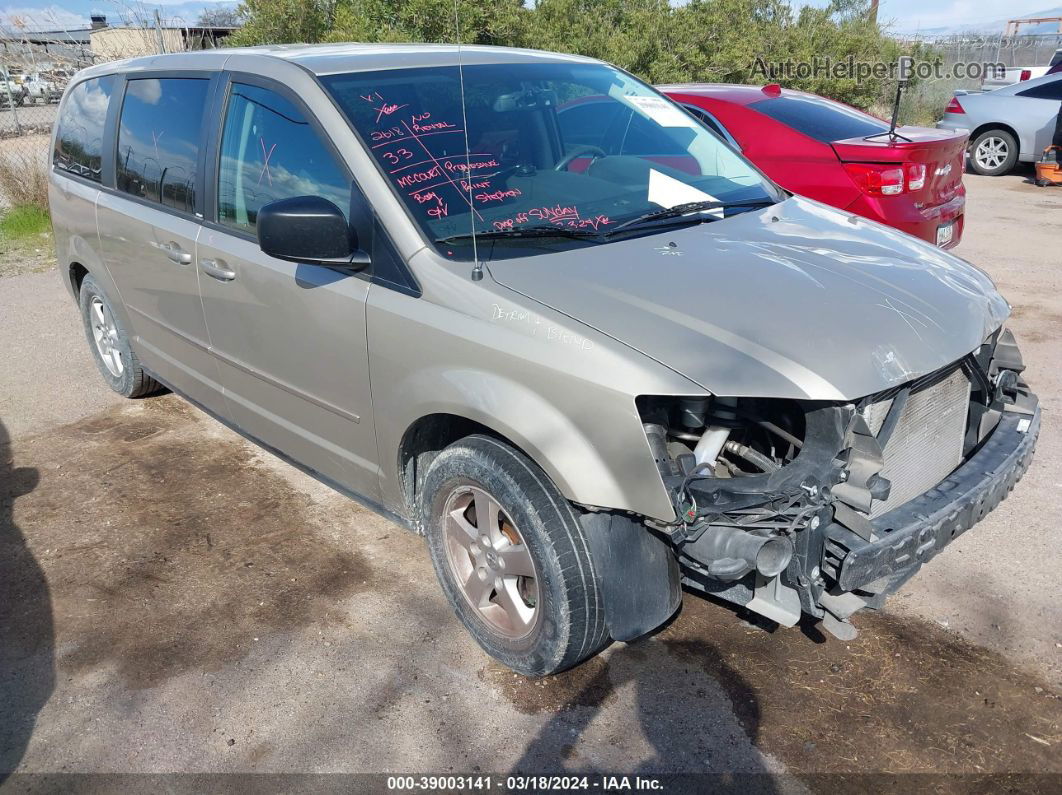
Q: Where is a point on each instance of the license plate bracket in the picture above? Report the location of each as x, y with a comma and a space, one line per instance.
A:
945, 233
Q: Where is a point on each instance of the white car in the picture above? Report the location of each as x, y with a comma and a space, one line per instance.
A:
40, 88
1012, 75
11, 92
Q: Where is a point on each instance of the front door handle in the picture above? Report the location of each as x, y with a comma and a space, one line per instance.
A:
217, 269
176, 253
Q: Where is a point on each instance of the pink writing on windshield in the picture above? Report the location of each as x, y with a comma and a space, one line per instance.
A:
421, 122
558, 215
499, 195
436, 206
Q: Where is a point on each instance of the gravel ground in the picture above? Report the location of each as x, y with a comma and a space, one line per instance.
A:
173, 599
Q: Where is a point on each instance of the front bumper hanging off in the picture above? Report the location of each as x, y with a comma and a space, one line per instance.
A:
846, 556
910, 535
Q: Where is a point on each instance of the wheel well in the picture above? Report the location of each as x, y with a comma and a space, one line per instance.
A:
77, 273
995, 125
424, 440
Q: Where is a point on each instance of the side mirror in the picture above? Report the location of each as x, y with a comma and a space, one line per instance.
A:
310, 230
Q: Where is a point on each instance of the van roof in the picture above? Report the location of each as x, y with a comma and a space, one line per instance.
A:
324, 59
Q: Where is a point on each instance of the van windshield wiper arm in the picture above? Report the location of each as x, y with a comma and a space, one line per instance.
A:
687, 208
531, 231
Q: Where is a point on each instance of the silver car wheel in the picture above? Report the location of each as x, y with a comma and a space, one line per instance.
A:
490, 562
105, 333
991, 153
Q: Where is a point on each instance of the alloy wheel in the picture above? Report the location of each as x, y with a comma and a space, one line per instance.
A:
991, 153
105, 333
490, 562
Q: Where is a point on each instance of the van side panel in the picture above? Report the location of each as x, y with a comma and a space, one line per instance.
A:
496, 362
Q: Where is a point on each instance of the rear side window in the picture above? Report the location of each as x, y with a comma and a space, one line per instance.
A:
821, 119
705, 119
586, 123
79, 139
1045, 91
269, 152
158, 139
643, 137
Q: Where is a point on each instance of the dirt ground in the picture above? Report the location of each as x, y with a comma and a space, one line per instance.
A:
34, 255
173, 599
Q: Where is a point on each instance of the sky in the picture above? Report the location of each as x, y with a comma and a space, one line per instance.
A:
905, 15
69, 14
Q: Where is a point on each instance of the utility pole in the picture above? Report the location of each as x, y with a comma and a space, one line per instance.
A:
873, 12
158, 30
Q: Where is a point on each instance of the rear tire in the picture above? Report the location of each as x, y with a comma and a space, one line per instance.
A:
109, 343
540, 612
993, 153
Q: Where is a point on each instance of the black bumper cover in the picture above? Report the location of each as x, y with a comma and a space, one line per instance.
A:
919, 529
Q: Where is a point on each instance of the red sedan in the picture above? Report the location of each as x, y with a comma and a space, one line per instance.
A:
838, 155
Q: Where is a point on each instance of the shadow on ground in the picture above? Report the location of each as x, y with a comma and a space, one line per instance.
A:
27, 672
171, 549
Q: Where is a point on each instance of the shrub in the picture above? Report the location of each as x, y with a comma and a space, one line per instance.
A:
24, 180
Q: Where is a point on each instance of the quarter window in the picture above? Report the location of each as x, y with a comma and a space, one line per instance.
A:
79, 140
158, 139
270, 152
1051, 90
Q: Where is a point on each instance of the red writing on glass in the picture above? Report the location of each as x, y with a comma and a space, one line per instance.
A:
396, 157
438, 209
558, 215
467, 166
421, 122
498, 195
413, 177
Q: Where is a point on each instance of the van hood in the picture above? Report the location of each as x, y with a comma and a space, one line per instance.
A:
799, 300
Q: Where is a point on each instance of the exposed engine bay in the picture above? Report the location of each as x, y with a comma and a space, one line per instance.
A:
792, 507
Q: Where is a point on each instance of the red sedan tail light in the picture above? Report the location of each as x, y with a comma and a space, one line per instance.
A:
954, 106
878, 179
916, 176
887, 179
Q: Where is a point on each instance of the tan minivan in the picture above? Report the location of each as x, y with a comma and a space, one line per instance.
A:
525, 305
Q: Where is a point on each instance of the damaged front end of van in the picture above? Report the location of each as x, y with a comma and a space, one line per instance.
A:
791, 507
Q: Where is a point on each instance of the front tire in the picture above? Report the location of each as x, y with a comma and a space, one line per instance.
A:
110, 345
511, 557
993, 153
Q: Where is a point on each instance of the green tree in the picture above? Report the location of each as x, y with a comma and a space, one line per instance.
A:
701, 41
283, 21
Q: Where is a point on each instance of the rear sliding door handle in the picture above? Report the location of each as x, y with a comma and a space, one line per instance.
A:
216, 269
176, 253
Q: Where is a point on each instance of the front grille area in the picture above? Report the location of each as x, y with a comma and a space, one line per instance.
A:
926, 445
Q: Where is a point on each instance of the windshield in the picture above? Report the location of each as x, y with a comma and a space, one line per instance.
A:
575, 148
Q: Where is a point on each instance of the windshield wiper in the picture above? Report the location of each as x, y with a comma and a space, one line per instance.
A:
687, 208
531, 231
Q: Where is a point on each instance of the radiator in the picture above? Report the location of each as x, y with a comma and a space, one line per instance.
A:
926, 445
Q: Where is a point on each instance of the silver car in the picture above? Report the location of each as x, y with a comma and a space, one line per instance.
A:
525, 305
1008, 124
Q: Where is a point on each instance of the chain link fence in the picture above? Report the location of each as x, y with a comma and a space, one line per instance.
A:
36, 65
34, 72
1025, 50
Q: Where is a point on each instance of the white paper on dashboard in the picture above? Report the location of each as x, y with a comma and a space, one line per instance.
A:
669, 192
662, 112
